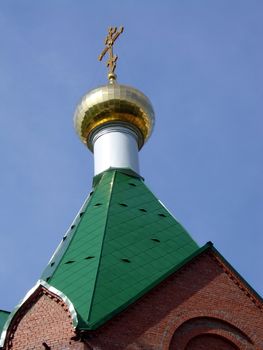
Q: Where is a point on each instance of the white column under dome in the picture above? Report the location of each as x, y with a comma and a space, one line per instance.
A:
115, 147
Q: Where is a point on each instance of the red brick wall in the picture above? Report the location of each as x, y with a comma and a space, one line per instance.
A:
45, 319
208, 330
201, 307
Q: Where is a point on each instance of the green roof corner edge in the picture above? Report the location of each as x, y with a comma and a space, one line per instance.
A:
27, 296
110, 174
93, 326
102, 243
62, 247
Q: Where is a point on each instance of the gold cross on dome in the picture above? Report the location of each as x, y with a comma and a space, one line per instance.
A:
113, 34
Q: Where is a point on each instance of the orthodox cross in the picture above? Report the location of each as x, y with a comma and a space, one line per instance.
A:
113, 34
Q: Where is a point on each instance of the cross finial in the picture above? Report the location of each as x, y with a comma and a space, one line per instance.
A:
113, 34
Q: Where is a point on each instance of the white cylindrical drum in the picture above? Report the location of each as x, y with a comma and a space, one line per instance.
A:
115, 147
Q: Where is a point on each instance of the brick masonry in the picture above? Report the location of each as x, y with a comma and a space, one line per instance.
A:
202, 306
44, 322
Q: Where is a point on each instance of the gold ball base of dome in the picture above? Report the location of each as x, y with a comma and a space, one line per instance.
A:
114, 103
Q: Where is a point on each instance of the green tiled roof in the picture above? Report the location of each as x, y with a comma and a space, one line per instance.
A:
123, 242
3, 317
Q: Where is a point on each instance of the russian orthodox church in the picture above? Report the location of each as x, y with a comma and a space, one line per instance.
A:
126, 274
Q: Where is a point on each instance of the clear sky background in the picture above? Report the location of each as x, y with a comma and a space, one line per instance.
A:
200, 63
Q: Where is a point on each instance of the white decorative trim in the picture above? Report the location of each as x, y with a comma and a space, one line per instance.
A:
27, 296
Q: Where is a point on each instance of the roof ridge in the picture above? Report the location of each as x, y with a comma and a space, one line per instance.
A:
83, 207
46, 274
102, 243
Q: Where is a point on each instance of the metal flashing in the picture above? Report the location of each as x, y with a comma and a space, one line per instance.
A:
50, 288
127, 171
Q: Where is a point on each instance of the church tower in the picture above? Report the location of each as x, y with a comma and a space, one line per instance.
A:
126, 274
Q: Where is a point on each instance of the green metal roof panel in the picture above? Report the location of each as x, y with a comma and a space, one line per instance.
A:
3, 317
76, 272
123, 243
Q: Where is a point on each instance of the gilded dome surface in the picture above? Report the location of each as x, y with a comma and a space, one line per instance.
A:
114, 103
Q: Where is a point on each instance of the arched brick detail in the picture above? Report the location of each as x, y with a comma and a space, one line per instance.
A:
178, 320
214, 328
43, 319
210, 341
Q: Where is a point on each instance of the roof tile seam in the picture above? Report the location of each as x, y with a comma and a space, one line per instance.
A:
82, 209
101, 250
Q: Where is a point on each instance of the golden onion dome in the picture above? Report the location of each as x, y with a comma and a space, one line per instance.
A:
111, 104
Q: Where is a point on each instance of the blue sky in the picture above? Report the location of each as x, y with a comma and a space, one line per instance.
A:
200, 63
